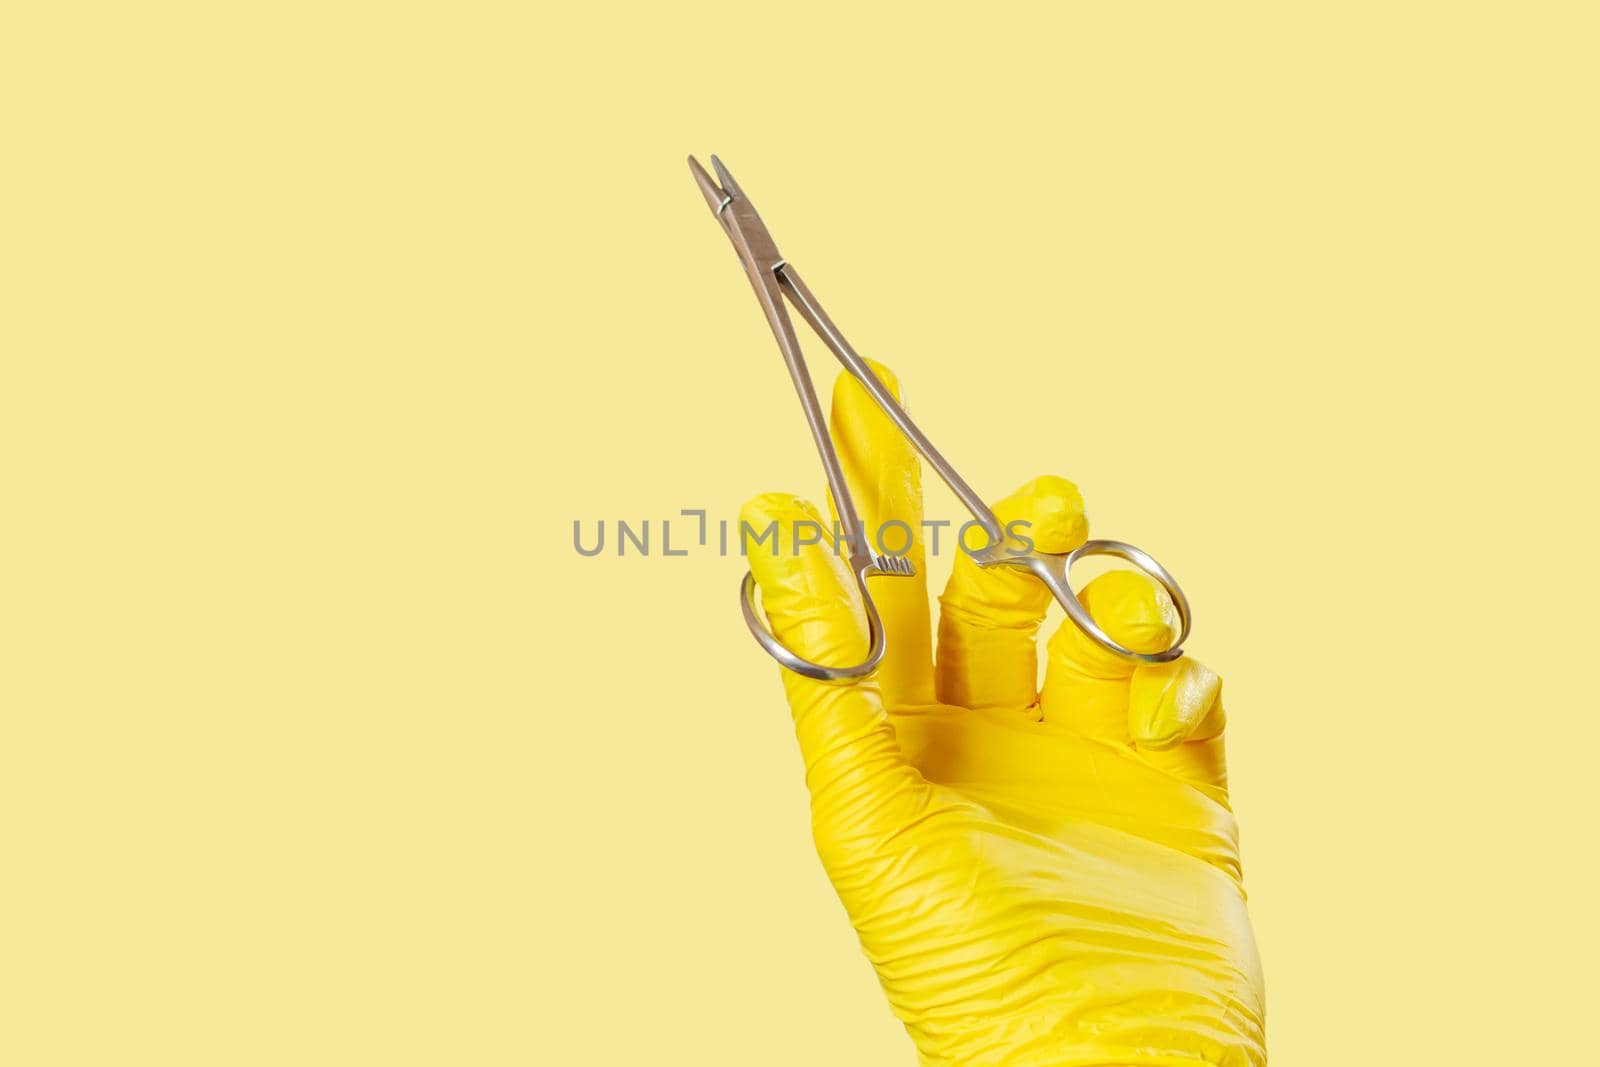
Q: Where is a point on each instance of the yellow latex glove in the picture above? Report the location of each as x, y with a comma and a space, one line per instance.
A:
1038, 878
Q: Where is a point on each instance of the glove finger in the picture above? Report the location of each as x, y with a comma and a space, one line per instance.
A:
1171, 712
859, 781
1169, 702
1086, 687
1176, 718
885, 478
989, 618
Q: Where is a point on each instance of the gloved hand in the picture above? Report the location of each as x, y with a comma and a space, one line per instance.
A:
1038, 878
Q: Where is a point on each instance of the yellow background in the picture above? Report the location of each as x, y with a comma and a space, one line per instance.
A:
322, 324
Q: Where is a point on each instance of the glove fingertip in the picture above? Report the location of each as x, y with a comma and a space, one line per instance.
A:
846, 385
1052, 508
806, 590
1167, 702
1133, 609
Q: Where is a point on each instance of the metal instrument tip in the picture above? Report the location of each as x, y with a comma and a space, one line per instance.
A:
714, 195
725, 178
